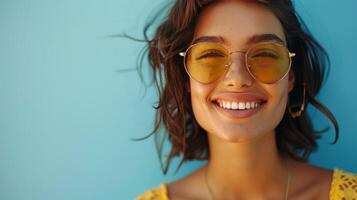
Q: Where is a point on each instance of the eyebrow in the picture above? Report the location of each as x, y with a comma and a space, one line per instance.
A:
253, 39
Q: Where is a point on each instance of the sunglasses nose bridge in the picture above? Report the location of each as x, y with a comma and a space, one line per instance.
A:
237, 73
230, 62
240, 62
243, 52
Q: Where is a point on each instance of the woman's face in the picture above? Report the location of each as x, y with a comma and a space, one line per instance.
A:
237, 22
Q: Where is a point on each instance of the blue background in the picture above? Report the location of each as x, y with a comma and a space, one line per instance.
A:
67, 114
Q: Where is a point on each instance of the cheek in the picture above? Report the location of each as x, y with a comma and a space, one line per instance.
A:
279, 103
282, 102
199, 93
201, 104
198, 98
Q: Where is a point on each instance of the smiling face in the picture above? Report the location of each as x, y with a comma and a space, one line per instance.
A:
238, 25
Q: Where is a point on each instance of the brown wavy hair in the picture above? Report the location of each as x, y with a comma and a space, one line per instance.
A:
296, 137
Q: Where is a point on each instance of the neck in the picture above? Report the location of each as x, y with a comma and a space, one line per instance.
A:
249, 170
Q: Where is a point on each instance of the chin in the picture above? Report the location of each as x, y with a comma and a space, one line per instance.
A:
236, 136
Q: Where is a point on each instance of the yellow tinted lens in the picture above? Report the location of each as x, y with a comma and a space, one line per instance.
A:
268, 62
205, 62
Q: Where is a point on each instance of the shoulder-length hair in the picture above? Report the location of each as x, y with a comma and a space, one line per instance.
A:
296, 137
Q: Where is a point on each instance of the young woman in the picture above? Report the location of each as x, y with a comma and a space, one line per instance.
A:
235, 77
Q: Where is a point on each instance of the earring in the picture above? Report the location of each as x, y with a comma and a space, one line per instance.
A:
302, 107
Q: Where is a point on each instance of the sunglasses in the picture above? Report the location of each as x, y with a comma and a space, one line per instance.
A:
266, 62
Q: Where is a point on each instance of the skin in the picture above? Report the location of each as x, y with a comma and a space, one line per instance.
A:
245, 162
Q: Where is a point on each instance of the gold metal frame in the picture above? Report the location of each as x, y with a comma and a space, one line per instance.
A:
290, 54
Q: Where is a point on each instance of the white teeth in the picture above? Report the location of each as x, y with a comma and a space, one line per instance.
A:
241, 105
227, 105
253, 105
247, 105
238, 105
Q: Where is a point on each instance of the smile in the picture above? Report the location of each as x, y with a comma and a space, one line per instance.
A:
232, 105
239, 109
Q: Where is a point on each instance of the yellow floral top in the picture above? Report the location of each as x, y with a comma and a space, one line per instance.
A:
343, 187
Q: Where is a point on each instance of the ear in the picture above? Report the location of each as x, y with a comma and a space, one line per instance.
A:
291, 80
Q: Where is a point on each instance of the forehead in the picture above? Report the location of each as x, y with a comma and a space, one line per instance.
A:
237, 21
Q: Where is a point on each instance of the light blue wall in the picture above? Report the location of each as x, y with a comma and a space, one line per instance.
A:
67, 115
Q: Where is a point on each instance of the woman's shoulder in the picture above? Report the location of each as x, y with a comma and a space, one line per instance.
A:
157, 193
313, 182
187, 187
344, 185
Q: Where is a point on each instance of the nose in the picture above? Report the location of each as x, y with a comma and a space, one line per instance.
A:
237, 74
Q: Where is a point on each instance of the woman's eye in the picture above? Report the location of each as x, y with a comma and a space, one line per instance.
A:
210, 54
266, 54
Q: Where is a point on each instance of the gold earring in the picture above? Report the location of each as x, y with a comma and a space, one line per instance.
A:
302, 107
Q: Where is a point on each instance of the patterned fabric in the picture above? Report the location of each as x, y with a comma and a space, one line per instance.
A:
343, 187
159, 193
